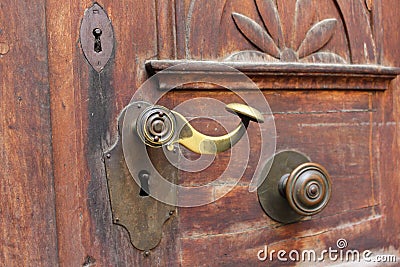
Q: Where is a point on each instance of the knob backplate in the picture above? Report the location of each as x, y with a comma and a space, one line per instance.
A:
273, 203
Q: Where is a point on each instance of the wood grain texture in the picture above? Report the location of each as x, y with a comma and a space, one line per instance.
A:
345, 139
270, 17
287, 11
240, 248
318, 35
353, 133
221, 37
304, 15
362, 47
276, 75
166, 29
69, 167
334, 130
389, 119
27, 208
256, 34
84, 107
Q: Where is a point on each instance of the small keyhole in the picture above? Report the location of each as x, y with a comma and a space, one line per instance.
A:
97, 42
144, 184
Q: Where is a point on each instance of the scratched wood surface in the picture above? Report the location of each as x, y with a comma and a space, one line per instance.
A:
68, 220
27, 208
85, 106
346, 132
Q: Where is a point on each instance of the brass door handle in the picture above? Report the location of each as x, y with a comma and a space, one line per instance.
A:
158, 126
150, 188
294, 188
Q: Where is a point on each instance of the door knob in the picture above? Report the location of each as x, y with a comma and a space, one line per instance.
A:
157, 126
294, 187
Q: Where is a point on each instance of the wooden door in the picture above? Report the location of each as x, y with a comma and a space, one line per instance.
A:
59, 115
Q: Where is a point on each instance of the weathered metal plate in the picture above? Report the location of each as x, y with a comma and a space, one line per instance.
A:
142, 216
272, 202
97, 37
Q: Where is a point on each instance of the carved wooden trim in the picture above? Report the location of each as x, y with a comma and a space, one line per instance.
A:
300, 59
270, 40
281, 76
359, 30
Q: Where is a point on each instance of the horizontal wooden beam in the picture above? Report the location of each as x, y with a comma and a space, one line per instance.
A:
270, 76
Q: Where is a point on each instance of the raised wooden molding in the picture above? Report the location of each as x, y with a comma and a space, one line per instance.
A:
280, 45
280, 76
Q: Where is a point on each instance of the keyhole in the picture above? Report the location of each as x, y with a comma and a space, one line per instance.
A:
97, 42
144, 184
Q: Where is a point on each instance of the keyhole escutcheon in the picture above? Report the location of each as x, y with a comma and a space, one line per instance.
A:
97, 42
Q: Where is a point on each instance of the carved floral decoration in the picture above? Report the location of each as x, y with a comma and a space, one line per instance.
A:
269, 39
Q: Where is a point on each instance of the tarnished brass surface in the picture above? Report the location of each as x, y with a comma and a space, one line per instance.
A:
141, 215
245, 111
139, 174
308, 189
294, 187
156, 126
204, 144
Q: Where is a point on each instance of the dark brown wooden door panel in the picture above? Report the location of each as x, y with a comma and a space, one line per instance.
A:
27, 213
59, 115
337, 134
286, 21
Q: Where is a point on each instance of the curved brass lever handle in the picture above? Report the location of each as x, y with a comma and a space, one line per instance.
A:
158, 124
204, 144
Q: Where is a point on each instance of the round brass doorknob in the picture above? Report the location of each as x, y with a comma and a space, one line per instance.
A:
307, 188
294, 187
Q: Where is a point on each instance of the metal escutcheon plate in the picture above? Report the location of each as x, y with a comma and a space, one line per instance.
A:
272, 202
141, 215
